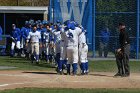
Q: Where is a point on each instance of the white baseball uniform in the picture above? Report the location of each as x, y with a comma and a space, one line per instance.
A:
63, 48
34, 39
46, 40
57, 35
83, 48
72, 45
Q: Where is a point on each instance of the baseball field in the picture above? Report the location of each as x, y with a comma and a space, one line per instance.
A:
18, 75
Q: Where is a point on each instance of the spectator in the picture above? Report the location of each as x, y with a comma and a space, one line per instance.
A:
104, 41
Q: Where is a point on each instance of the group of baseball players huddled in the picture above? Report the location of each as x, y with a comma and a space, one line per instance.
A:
64, 43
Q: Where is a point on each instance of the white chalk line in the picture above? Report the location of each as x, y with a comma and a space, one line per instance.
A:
3, 85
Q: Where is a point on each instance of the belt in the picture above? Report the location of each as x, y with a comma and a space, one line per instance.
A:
72, 46
34, 42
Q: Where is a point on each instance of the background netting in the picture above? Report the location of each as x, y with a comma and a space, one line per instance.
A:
108, 14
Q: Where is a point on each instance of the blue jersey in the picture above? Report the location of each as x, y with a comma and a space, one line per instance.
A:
40, 29
104, 36
45, 36
25, 32
16, 34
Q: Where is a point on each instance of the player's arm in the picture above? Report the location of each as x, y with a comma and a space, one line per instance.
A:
28, 38
39, 37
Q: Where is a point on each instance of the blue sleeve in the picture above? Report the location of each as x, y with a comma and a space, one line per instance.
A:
1, 30
23, 32
19, 33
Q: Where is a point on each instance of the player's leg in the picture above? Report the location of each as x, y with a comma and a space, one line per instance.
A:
82, 60
37, 52
50, 51
101, 47
18, 48
86, 60
75, 60
70, 59
28, 51
46, 46
32, 51
126, 60
65, 57
12, 49
105, 50
57, 51
61, 58
119, 65
22, 46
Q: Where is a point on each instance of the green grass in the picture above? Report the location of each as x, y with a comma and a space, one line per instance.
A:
24, 64
53, 90
94, 66
110, 66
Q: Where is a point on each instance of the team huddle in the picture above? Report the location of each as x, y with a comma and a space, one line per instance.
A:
63, 43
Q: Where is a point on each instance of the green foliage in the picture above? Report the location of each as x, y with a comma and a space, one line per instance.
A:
106, 10
115, 5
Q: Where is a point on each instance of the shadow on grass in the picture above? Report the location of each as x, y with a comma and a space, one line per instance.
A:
52, 73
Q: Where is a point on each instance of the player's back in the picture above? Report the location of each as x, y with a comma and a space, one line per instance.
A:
72, 36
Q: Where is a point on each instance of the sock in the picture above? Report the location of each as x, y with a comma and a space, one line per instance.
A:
74, 65
83, 68
60, 65
86, 66
37, 57
68, 69
57, 58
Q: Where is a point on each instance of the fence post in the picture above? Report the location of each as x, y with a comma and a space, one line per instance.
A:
94, 26
4, 23
138, 28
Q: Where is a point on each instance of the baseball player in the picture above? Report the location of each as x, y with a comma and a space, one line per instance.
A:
41, 30
25, 35
83, 50
72, 47
57, 39
62, 63
51, 44
34, 37
15, 37
45, 35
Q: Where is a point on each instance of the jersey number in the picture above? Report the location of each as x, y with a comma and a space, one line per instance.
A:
70, 35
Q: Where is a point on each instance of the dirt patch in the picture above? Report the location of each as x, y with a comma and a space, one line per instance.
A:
20, 79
